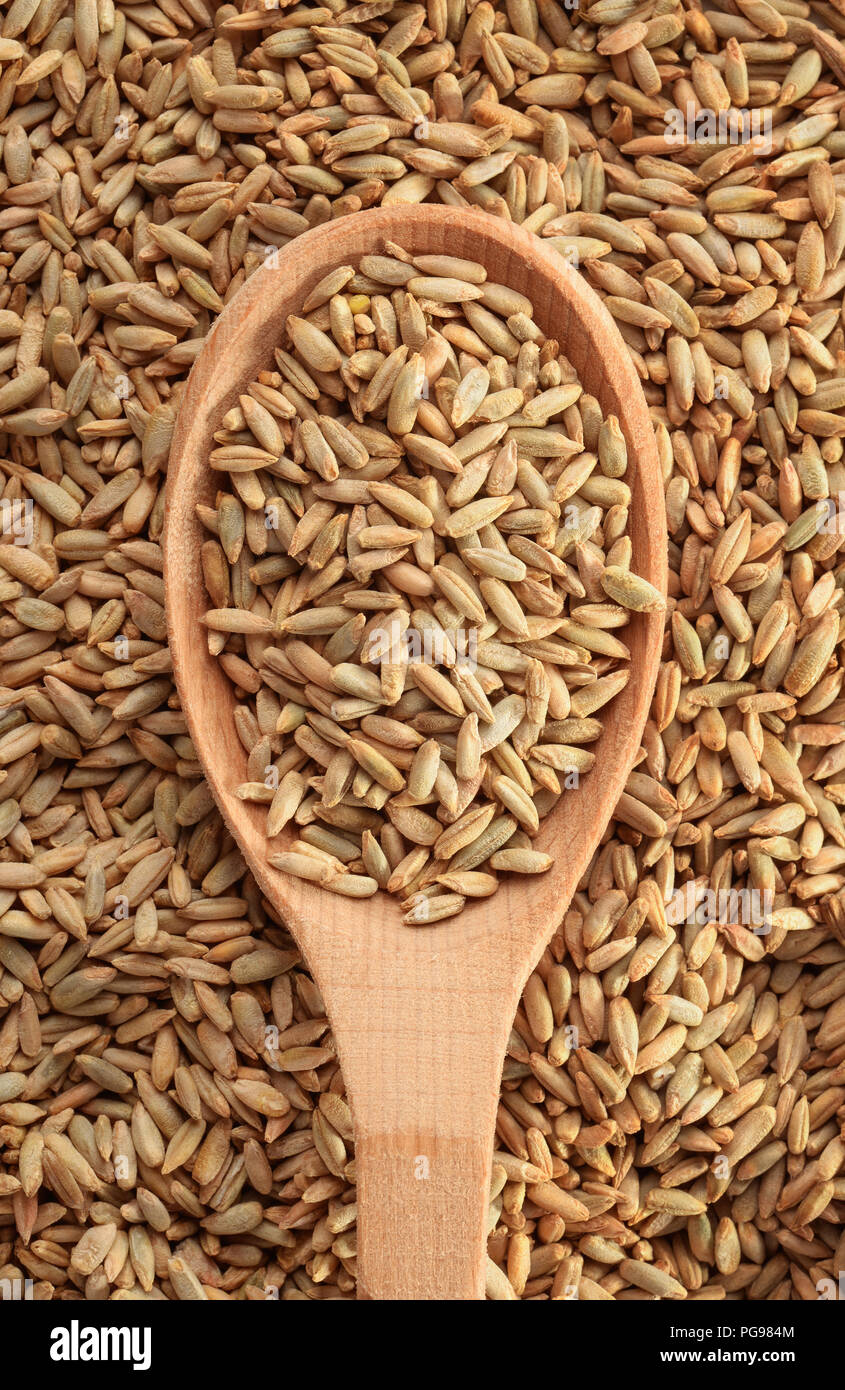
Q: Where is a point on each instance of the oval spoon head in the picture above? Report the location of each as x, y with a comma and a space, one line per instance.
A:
372, 969
525, 908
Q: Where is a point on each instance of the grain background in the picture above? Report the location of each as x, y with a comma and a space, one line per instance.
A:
172, 1118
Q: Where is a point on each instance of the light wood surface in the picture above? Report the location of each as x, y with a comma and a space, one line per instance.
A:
421, 1015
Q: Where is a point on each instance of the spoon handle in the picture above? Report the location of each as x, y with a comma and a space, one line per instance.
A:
421, 1042
422, 1213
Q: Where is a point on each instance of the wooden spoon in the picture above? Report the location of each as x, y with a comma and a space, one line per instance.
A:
421, 1016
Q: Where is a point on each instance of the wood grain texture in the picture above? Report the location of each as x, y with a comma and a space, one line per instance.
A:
421, 1016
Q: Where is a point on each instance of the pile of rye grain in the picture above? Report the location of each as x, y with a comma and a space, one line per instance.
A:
172, 1117
414, 699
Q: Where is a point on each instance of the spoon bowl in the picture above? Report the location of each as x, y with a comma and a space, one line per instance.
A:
421, 1016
